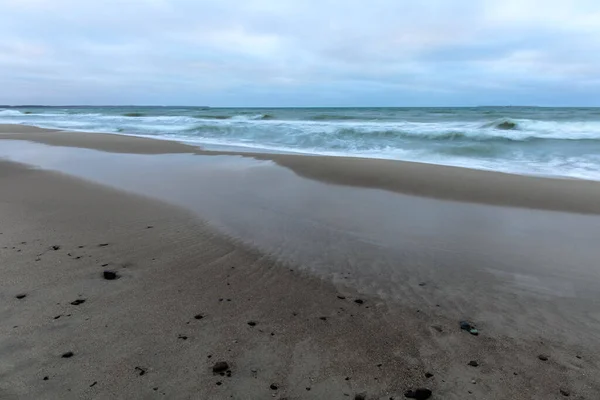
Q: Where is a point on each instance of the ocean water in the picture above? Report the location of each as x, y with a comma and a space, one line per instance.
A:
527, 140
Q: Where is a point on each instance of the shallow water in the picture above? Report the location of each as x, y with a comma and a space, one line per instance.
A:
528, 140
498, 265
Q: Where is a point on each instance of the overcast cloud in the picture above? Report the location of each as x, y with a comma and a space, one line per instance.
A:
300, 53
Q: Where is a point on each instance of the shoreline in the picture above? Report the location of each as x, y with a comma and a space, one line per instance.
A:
175, 225
419, 179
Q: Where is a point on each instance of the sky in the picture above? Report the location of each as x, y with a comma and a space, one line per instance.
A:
286, 53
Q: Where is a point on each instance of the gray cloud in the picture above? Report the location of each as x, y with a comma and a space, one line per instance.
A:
268, 52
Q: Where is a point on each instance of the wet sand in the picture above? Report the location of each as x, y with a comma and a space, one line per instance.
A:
291, 254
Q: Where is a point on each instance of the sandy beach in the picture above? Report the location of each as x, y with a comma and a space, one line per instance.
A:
311, 277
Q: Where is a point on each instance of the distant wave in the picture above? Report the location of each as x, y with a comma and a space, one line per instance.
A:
8, 113
133, 114
505, 125
333, 117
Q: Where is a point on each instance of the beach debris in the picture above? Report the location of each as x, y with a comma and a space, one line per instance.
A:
565, 392
274, 386
422, 284
78, 302
21, 296
46, 378
341, 297
323, 318
473, 363
419, 394
543, 357
103, 245
578, 357
359, 301
252, 323
219, 383
68, 354
55, 247
141, 371
94, 384
198, 316
360, 396
428, 375
182, 337
467, 326
110, 275
220, 366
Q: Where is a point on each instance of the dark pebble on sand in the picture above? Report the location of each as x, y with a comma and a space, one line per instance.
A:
110, 275
21, 296
428, 375
274, 386
228, 373
141, 371
543, 357
251, 323
103, 245
341, 297
57, 317
219, 383
55, 247
360, 396
323, 318
473, 364
198, 316
579, 357
78, 302
182, 337
419, 394
46, 378
68, 354
149, 227
359, 301
422, 284
220, 366
565, 392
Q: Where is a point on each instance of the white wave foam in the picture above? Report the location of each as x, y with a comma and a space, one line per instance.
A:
10, 113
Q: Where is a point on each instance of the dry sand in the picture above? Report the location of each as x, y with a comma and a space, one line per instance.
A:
186, 294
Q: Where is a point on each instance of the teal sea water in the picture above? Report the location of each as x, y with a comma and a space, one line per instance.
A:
527, 140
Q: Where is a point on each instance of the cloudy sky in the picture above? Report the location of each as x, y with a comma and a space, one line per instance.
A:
300, 52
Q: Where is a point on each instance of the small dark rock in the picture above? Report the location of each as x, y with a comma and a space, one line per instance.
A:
422, 284
182, 337
68, 354
58, 316
341, 297
274, 386
465, 326
323, 318
428, 375
347, 378
149, 227
46, 378
228, 373
579, 357
543, 357
78, 302
21, 296
220, 366
198, 316
141, 371
251, 323
55, 247
438, 328
110, 275
359, 301
360, 396
565, 392
103, 245
419, 394
219, 383
473, 364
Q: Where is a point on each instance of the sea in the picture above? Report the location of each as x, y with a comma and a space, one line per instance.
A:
560, 142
